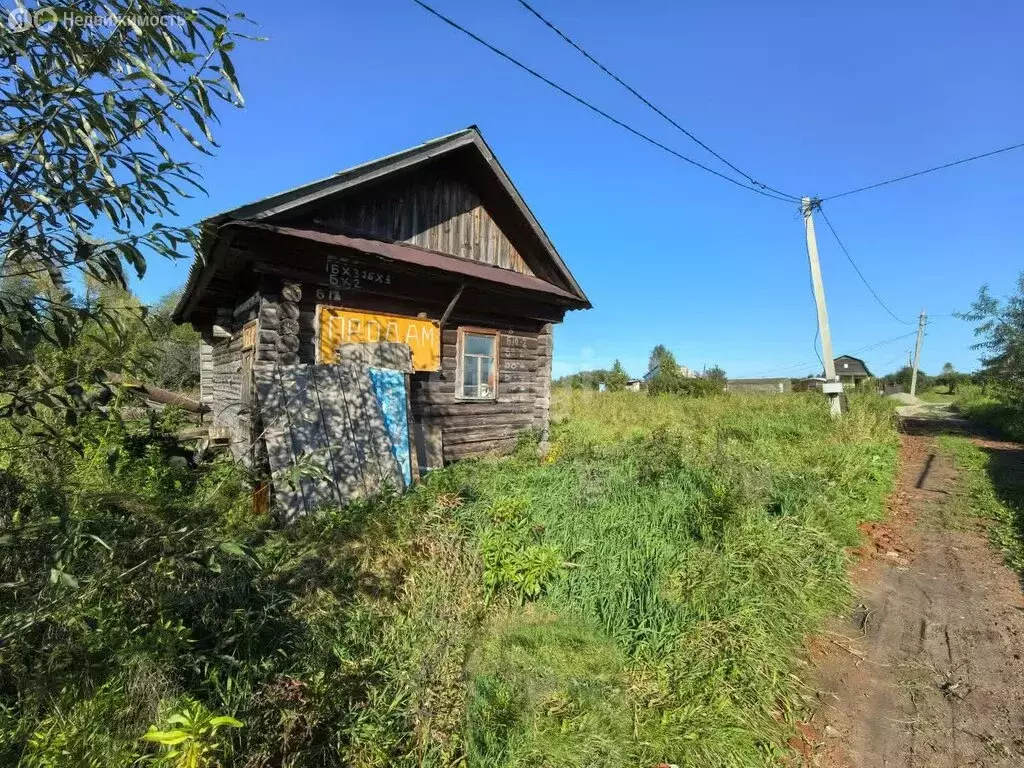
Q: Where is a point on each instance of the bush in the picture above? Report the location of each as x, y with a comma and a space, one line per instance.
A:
138, 590
1001, 415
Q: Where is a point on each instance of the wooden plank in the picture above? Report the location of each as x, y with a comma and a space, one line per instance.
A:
511, 352
369, 432
456, 429
479, 449
522, 366
505, 375
326, 416
277, 397
382, 354
429, 442
470, 408
414, 453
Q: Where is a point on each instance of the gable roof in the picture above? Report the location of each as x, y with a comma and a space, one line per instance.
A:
857, 366
467, 145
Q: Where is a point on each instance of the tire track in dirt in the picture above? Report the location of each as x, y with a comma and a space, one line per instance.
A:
927, 670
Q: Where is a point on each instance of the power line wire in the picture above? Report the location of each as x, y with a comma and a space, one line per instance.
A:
856, 269
583, 102
887, 341
646, 101
858, 350
922, 173
817, 334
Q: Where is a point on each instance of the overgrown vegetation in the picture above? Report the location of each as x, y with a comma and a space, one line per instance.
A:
638, 595
666, 376
613, 379
999, 327
992, 492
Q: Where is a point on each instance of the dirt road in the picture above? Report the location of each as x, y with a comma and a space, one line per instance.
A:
928, 670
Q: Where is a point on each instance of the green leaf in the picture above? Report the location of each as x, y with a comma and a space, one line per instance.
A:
232, 548
216, 722
167, 738
58, 575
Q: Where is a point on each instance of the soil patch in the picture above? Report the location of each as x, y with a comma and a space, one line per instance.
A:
926, 670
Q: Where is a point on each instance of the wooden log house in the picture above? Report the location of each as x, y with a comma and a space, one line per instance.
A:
431, 247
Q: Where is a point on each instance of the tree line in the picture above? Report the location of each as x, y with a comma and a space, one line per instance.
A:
664, 376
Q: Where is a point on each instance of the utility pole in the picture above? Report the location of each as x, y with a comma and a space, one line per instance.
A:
832, 388
917, 351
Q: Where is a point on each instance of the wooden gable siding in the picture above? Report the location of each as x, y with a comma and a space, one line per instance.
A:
441, 214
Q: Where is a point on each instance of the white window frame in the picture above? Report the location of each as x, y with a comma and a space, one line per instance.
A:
461, 361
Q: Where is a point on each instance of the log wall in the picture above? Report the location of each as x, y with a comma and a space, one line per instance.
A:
480, 427
469, 428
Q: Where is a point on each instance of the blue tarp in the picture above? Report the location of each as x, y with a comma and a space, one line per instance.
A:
389, 389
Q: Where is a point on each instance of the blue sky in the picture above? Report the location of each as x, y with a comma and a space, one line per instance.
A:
810, 99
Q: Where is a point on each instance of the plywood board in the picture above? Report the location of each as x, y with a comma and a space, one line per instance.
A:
326, 435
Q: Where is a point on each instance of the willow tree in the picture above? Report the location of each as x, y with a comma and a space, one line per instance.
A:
104, 110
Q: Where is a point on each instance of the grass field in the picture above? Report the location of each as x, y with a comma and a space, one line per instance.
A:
639, 595
936, 395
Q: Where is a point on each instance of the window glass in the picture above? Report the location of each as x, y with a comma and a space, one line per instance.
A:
479, 370
486, 377
475, 344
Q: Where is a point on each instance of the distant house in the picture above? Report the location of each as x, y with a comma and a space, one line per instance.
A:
685, 372
810, 384
851, 370
765, 386
634, 385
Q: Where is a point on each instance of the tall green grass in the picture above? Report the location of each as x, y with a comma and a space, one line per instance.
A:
703, 540
1002, 414
987, 490
638, 595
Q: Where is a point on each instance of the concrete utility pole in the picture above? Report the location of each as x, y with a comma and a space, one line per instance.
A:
917, 351
832, 388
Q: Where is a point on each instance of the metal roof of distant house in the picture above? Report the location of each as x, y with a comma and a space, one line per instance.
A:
854, 366
280, 208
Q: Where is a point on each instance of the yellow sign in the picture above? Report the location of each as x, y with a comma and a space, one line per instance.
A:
347, 326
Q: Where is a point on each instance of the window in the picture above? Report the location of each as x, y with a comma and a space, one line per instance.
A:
477, 368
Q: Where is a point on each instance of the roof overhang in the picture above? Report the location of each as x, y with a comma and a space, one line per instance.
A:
280, 208
415, 256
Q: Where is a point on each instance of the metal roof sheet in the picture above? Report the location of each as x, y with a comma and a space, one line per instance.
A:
417, 256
